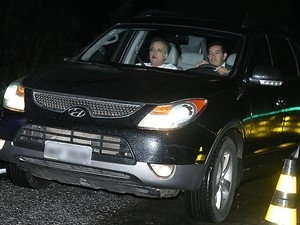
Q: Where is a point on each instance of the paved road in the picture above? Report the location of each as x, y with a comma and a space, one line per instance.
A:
62, 204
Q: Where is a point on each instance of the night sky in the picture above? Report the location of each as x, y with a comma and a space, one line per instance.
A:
275, 10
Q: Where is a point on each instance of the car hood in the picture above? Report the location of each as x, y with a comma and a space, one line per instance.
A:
137, 84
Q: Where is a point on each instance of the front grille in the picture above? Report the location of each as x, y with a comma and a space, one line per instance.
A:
104, 147
97, 108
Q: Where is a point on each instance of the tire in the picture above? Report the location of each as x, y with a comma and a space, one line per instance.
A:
24, 179
212, 201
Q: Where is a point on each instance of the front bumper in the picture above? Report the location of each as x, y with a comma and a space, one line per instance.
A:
136, 179
125, 165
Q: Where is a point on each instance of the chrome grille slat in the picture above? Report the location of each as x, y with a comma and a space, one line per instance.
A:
97, 108
102, 145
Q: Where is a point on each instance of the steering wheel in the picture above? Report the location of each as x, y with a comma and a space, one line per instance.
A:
205, 68
208, 66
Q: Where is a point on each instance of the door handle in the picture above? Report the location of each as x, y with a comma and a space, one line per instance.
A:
280, 102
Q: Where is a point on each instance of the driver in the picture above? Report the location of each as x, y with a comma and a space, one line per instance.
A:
216, 56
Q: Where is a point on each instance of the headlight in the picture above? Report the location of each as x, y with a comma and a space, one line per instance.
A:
14, 96
174, 115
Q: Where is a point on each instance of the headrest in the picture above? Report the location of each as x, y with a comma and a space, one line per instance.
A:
230, 59
172, 56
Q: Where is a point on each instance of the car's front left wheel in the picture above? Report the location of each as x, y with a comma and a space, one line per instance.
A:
24, 179
212, 201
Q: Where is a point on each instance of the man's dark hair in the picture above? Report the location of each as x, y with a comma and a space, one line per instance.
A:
163, 40
219, 43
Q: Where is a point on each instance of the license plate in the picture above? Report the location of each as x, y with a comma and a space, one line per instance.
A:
68, 152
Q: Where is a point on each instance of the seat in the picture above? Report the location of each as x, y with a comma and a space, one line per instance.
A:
230, 59
188, 60
172, 56
195, 44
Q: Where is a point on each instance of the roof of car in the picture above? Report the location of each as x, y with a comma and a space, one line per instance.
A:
154, 16
170, 18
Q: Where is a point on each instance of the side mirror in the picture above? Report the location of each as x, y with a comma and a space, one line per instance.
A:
266, 76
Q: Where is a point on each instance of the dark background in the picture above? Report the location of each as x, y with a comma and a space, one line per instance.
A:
35, 33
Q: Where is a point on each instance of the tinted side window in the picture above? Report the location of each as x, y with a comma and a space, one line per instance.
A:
296, 49
259, 54
283, 57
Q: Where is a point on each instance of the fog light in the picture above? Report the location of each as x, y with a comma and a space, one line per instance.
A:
2, 142
162, 170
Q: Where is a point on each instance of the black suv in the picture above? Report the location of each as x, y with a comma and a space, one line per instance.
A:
104, 120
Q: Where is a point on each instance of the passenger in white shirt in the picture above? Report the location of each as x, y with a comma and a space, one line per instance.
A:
158, 52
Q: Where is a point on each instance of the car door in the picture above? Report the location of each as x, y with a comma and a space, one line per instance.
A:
286, 56
264, 125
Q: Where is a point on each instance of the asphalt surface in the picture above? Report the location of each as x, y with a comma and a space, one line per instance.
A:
64, 204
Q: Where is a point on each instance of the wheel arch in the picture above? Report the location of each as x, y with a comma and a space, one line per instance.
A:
235, 131
202, 203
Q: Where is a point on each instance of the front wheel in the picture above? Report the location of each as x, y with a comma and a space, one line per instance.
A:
212, 201
24, 179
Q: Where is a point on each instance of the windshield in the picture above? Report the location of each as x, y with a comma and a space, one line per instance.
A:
132, 46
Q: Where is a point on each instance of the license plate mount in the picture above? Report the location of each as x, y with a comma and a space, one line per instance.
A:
68, 152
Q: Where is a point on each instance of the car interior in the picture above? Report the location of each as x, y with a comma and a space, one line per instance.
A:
185, 56
132, 48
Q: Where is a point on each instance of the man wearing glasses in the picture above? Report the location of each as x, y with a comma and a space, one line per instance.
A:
216, 56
